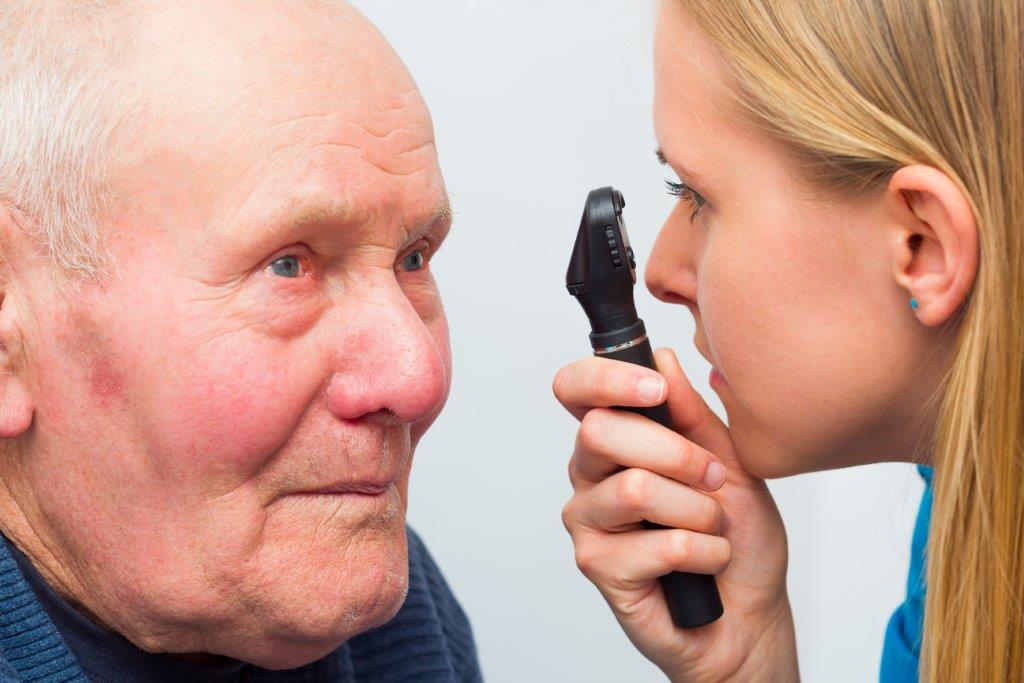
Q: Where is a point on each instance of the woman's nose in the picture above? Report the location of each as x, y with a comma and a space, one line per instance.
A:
393, 364
671, 274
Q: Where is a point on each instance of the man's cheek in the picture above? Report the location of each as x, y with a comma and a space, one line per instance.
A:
226, 415
439, 331
424, 296
438, 326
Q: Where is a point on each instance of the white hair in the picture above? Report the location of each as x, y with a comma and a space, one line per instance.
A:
61, 104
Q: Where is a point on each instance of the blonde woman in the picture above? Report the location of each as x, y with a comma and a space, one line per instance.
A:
850, 242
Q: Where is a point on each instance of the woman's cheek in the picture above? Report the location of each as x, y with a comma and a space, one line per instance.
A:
736, 321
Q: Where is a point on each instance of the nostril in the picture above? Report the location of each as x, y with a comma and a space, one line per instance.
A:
673, 298
384, 417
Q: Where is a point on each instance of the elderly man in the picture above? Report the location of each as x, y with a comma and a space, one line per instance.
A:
221, 343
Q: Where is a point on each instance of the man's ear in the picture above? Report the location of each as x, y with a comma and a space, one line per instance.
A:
16, 405
936, 254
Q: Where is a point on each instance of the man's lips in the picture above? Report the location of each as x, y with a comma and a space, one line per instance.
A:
368, 462
361, 488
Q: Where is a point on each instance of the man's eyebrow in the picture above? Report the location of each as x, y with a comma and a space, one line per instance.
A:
440, 221
296, 213
306, 211
443, 211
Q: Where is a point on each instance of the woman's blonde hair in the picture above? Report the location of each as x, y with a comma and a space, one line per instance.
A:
857, 89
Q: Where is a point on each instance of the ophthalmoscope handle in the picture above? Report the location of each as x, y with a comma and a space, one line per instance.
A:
693, 599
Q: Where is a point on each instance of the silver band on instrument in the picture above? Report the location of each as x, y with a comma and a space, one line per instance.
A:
619, 347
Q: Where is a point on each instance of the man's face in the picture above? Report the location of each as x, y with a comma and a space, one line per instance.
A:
223, 433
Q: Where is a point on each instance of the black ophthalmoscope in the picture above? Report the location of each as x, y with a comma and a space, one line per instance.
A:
601, 276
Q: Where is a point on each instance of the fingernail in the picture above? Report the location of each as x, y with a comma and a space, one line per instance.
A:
651, 388
714, 477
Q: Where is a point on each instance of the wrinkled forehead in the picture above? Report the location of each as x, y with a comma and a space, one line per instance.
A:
248, 100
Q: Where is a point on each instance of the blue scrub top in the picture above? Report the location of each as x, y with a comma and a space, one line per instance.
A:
903, 634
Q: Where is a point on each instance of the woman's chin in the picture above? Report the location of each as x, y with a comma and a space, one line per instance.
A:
765, 459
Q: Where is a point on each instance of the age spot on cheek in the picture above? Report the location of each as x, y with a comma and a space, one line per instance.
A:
82, 340
106, 383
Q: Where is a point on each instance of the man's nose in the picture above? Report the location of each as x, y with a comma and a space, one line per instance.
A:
392, 365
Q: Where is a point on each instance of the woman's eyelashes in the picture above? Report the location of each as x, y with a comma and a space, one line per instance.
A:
687, 194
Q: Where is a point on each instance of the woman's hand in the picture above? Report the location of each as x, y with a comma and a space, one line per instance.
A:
627, 469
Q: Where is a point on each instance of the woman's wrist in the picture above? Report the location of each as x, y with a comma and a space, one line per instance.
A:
772, 655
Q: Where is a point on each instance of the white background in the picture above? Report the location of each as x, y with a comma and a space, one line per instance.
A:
535, 103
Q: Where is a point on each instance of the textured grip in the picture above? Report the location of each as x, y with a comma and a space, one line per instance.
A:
693, 599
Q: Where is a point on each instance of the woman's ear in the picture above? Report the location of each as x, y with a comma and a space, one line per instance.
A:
16, 404
936, 254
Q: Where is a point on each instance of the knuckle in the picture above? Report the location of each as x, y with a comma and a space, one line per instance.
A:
559, 385
569, 516
685, 458
678, 545
592, 429
586, 559
632, 490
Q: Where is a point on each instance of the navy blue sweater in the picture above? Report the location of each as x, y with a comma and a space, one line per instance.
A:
42, 638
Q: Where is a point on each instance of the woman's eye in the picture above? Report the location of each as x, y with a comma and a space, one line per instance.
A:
687, 194
287, 266
414, 261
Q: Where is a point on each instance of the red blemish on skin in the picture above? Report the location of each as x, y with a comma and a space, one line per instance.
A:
106, 383
82, 341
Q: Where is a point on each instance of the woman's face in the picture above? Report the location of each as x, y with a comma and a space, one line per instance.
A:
820, 359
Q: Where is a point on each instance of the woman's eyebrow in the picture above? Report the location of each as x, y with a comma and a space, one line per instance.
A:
683, 172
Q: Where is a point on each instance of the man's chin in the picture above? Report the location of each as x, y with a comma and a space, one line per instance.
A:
317, 588
318, 623
293, 651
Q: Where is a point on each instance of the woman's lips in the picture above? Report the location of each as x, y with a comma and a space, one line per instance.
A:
715, 377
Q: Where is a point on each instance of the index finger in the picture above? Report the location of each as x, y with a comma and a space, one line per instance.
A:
610, 440
605, 383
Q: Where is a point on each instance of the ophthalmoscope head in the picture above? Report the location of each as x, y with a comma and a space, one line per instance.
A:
602, 270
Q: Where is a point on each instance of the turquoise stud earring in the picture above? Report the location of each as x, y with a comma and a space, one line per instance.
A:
914, 304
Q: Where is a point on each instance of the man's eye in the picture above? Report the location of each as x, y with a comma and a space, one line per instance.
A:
414, 261
287, 266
